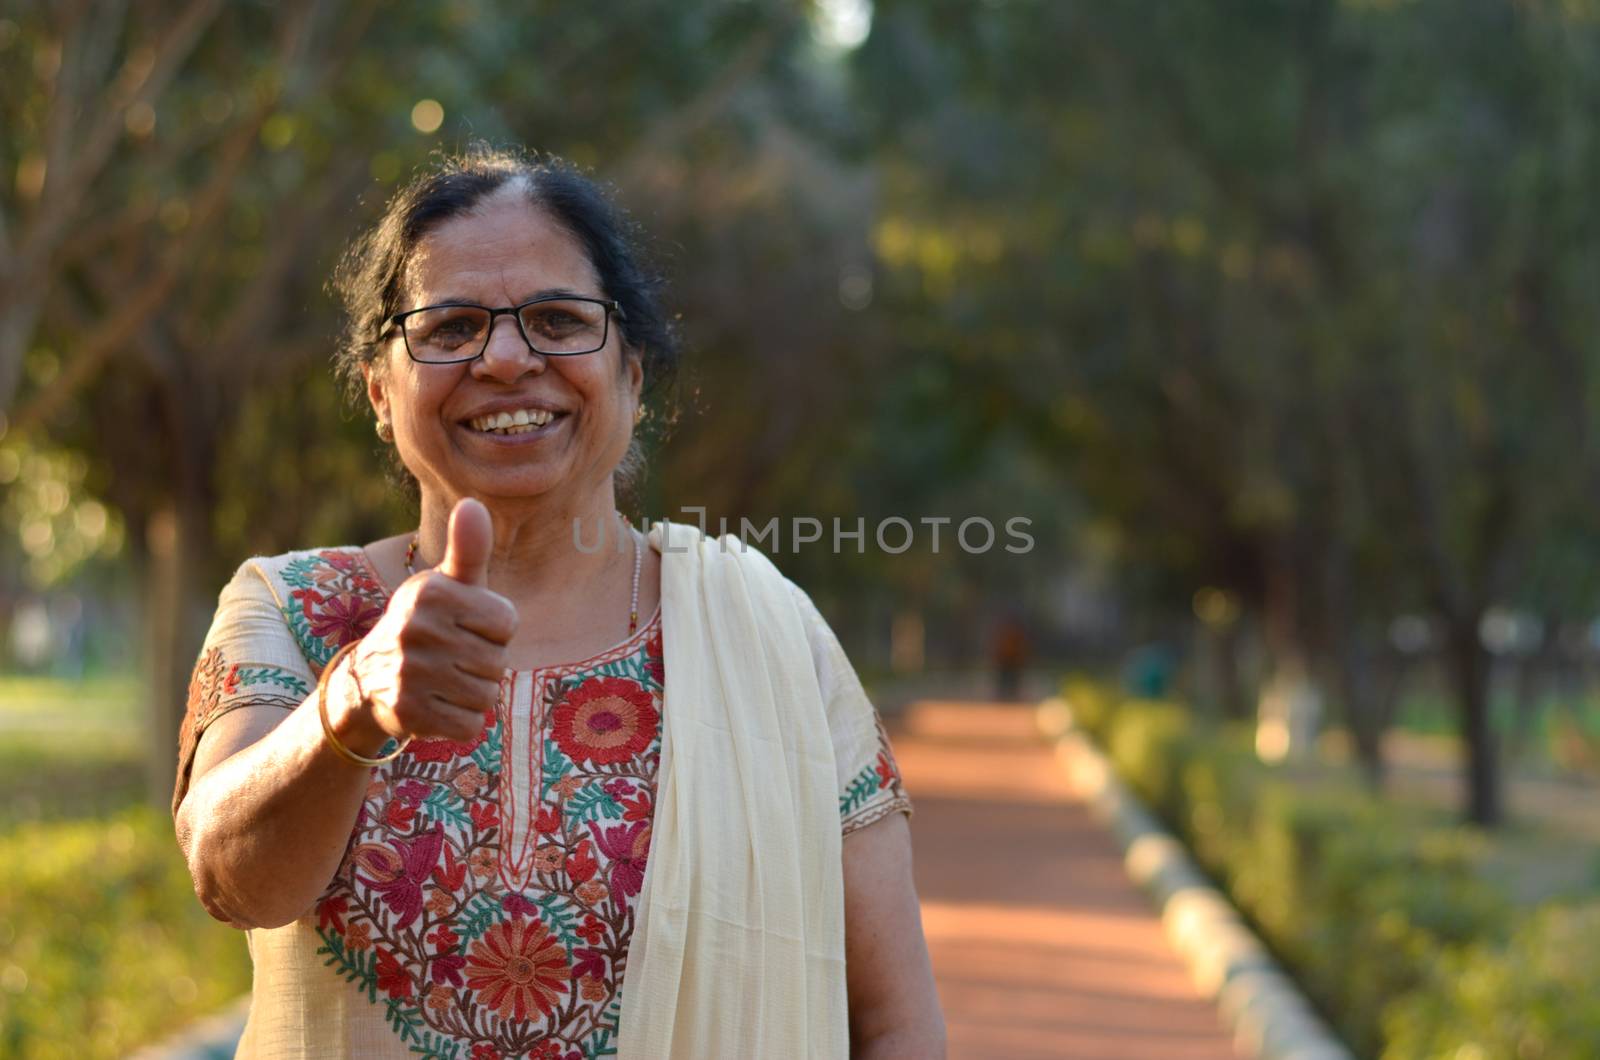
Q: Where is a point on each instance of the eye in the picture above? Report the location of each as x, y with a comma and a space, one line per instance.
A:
445, 328
556, 322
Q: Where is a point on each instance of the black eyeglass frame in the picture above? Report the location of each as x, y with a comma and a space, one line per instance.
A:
611, 305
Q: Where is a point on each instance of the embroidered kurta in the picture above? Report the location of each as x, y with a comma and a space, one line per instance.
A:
487, 898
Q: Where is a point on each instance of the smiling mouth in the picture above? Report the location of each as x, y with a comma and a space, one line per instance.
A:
522, 421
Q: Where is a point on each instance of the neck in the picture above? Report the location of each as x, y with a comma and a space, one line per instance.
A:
534, 551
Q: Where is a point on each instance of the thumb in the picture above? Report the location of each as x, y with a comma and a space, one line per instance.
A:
471, 536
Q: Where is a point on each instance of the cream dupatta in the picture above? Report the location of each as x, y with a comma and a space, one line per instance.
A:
738, 950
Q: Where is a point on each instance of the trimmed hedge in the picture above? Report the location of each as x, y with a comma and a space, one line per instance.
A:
1380, 911
103, 947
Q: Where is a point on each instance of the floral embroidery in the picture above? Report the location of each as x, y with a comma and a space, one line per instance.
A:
518, 967
487, 899
605, 721
876, 790
470, 951
218, 686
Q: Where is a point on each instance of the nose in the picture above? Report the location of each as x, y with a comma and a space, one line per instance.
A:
507, 356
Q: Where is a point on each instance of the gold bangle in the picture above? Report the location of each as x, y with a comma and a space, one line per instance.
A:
327, 727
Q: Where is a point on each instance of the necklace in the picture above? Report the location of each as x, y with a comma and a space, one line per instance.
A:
638, 564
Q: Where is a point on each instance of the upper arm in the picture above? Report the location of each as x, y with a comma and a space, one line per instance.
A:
889, 977
894, 1007
250, 674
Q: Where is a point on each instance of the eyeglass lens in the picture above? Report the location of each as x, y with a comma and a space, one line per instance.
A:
454, 333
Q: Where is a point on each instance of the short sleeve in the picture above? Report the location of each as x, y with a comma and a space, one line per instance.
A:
250, 659
869, 781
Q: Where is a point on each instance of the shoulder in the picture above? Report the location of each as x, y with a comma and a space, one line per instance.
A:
324, 596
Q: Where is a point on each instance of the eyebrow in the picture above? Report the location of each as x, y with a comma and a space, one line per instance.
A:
548, 292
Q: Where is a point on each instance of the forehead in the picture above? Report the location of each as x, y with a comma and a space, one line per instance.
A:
501, 252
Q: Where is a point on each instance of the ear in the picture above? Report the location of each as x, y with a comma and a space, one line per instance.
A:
634, 370
377, 392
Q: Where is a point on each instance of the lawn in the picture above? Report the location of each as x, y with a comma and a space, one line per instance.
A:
103, 947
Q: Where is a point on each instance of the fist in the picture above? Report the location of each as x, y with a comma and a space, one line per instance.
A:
432, 665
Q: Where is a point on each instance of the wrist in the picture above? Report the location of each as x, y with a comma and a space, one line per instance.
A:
350, 712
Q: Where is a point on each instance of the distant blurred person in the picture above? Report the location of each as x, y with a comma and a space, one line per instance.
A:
485, 790
1010, 652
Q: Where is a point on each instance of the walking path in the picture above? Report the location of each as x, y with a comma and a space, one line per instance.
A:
1041, 945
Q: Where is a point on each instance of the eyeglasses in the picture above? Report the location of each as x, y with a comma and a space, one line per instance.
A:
555, 326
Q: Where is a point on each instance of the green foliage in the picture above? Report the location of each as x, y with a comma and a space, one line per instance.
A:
1362, 901
102, 944
1535, 998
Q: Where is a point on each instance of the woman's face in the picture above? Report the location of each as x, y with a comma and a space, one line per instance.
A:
503, 253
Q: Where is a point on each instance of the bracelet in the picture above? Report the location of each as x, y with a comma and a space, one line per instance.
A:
327, 727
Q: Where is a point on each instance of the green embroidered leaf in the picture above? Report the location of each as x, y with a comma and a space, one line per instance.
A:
477, 917
559, 916
593, 801
859, 791
353, 967
443, 804
556, 765
405, 1021
487, 756
599, 1044
249, 676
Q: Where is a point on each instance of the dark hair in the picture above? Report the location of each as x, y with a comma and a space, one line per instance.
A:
368, 278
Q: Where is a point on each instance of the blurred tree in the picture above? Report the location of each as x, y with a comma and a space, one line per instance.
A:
1298, 294
184, 294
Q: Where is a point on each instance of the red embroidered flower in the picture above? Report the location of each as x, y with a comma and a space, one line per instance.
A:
402, 891
547, 821
886, 771
392, 978
637, 809
654, 664
485, 1051
485, 815
581, 863
343, 618
627, 845
330, 911
517, 967
447, 969
441, 750
548, 858
516, 905
399, 814
591, 930
604, 721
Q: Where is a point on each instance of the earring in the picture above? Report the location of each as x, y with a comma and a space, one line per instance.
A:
638, 415
385, 432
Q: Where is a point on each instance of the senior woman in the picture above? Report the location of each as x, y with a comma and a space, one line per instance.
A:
478, 792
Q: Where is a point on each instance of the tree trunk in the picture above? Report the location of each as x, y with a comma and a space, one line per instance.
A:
1365, 706
177, 568
1469, 672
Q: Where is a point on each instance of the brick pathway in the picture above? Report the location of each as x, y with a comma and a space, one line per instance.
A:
1041, 946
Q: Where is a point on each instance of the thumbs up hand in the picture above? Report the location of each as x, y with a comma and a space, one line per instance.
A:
471, 538
432, 665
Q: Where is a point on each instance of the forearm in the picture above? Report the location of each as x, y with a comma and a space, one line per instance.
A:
264, 830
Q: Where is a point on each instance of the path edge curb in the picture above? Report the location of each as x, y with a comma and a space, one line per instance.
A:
1262, 1007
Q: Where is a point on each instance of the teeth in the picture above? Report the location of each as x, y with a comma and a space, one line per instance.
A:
519, 422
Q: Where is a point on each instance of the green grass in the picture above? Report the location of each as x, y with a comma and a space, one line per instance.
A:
103, 947
57, 776
27, 701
